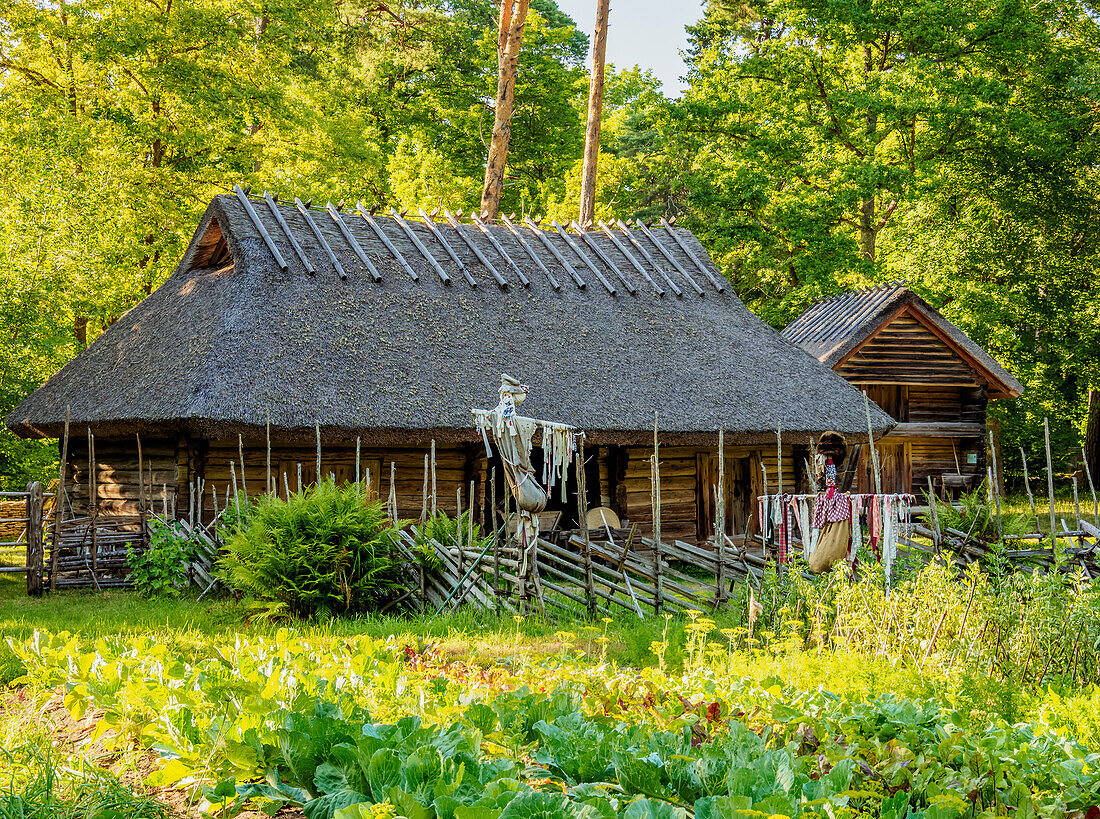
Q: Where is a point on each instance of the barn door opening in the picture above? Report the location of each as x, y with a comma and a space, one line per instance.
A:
738, 494
561, 513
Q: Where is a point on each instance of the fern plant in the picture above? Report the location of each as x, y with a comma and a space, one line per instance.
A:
328, 548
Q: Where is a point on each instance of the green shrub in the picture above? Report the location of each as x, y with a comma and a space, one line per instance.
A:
328, 548
161, 570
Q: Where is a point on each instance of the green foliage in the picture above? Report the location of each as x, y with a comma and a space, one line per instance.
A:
256, 721
39, 788
974, 514
161, 570
328, 548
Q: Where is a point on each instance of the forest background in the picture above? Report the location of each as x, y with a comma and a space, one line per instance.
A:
820, 145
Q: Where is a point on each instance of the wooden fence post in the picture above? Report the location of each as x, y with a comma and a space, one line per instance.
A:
582, 524
720, 525
1050, 483
34, 538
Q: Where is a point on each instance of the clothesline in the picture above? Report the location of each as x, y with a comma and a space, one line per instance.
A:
888, 519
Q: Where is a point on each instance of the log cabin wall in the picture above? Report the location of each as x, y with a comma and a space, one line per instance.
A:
688, 478
456, 466
117, 482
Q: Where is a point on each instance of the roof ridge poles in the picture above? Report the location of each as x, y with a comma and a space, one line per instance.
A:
671, 259
352, 241
500, 248
691, 255
580, 255
386, 240
529, 222
420, 245
454, 223
588, 240
302, 209
434, 228
630, 257
278, 214
242, 197
629, 234
530, 251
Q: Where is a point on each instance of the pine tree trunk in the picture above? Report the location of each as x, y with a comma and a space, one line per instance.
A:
509, 40
595, 111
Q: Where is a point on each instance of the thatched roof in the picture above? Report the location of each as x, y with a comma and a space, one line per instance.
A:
832, 328
232, 339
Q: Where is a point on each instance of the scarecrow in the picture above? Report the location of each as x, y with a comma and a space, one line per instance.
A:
832, 519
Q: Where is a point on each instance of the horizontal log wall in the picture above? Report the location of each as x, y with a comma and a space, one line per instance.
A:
683, 494
454, 470
117, 474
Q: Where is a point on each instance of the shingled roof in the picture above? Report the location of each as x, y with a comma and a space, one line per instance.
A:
393, 328
831, 329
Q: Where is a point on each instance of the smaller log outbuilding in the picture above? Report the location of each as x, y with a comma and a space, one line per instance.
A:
922, 370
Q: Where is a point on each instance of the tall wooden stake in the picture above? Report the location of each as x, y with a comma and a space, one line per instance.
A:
720, 524
1076, 505
871, 444
995, 486
1030, 496
358, 444
1092, 488
317, 432
244, 485
934, 518
513, 16
582, 524
1050, 482
271, 487
424, 502
59, 503
658, 580
496, 529
434, 507
595, 111
93, 503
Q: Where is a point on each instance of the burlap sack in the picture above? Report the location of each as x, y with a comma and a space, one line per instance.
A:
832, 545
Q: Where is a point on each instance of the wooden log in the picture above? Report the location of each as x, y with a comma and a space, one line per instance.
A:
595, 110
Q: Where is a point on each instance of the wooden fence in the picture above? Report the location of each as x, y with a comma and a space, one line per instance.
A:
22, 525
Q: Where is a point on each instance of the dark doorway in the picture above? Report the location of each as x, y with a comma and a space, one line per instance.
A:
568, 506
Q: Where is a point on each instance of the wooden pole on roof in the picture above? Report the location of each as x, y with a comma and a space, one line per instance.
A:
595, 111
513, 16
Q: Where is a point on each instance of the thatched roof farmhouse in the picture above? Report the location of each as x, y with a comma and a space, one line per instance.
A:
389, 330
